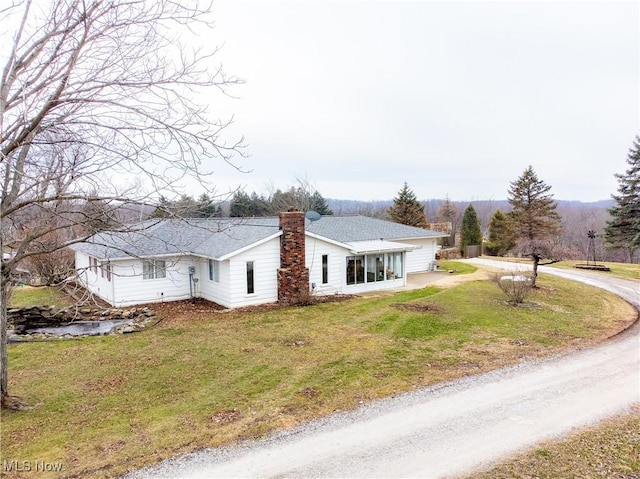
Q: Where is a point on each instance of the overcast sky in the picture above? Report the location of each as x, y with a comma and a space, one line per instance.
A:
456, 98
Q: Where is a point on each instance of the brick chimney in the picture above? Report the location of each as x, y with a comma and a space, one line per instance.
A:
293, 276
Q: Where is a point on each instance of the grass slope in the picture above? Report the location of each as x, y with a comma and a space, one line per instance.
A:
199, 379
25, 296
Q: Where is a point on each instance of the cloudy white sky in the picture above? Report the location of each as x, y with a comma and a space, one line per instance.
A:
456, 98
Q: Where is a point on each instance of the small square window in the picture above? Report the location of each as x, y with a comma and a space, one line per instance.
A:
153, 269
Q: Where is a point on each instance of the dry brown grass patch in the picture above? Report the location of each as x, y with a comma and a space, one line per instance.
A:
226, 416
418, 307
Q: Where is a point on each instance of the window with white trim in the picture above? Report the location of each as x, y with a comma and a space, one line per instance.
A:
93, 264
394, 265
325, 268
214, 270
355, 269
374, 267
250, 283
105, 271
153, 269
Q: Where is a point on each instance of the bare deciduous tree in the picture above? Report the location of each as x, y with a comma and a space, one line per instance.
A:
99, 108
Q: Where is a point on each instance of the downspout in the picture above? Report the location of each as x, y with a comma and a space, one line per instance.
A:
113, 285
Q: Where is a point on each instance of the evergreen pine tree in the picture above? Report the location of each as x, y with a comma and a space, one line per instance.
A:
623, 229
407, 210
205, 207
500, 238
471, 233
258, 205
319, 204
534, 219
240, 205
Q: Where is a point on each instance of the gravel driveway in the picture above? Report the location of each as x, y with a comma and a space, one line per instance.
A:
449, 429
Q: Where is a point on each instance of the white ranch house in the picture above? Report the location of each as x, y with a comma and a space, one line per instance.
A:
248, 261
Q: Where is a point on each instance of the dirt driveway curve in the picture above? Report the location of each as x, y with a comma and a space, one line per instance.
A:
449, 429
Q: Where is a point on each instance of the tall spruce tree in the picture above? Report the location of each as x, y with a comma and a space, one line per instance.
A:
623, 229
407, 210
319, 204
471, 233
533, 219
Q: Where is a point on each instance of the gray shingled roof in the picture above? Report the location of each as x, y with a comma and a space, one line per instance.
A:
215, 238
345, 229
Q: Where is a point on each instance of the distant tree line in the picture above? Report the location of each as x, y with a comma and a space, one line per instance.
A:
186, 207
299, 197
243, 204
530, 222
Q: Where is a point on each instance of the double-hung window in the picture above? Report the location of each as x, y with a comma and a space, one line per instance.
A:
105, 271
154, 269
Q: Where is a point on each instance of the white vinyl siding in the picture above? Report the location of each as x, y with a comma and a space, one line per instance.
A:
130, 288
96, 276
266, 261
316, 249
218, 292
421, 259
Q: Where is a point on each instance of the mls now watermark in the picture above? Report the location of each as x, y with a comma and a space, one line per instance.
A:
31, 466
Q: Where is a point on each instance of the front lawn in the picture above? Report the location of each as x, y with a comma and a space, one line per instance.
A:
103, 405
619, 270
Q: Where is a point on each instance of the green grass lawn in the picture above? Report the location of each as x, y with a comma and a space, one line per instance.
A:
23, 296
620, 270
200, 379
458, 267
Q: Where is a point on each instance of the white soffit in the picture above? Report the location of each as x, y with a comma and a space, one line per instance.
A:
379, 246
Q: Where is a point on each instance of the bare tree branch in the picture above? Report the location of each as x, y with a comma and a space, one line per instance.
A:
101, 108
